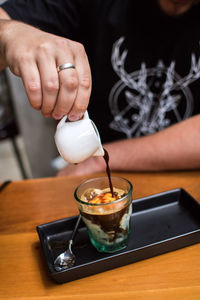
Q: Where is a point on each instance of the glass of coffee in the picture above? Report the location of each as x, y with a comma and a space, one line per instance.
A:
105, 214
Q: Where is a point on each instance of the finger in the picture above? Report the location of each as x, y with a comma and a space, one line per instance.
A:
68, 85
84, 88
49, 83
31, 80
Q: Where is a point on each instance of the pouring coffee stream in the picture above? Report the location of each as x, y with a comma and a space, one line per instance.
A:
106, 158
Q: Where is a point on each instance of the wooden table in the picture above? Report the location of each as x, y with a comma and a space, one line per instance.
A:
23, 272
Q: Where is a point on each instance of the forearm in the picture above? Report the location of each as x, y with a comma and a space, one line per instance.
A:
177, 147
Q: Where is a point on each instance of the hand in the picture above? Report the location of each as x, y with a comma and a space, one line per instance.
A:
34, 55
89, 166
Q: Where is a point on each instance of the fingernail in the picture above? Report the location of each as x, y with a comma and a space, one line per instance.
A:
74, 117
57, 117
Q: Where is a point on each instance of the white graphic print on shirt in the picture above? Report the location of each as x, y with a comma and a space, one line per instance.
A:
145, 101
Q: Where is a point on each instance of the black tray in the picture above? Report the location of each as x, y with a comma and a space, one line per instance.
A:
159, 224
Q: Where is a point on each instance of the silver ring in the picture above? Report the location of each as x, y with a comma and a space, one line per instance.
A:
65, 66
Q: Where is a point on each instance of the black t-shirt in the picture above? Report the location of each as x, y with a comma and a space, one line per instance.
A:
145, 65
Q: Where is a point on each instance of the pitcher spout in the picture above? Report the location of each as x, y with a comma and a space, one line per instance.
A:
99, 152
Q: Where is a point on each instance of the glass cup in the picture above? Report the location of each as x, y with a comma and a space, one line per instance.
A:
108, 224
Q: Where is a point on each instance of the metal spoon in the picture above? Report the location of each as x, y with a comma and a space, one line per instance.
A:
67, 259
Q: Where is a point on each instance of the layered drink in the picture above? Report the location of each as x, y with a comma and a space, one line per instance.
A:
106, 214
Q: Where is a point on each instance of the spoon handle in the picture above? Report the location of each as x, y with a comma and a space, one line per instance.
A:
75, 228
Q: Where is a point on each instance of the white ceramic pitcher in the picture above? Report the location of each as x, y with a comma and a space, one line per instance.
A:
79, 140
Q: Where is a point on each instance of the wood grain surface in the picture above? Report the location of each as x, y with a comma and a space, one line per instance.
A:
23, 272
